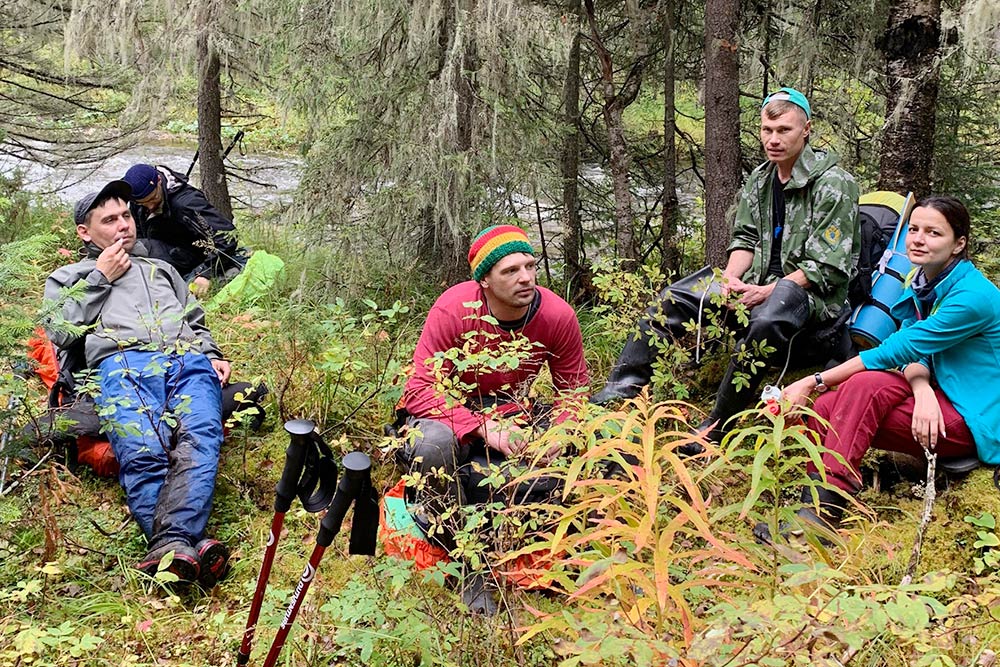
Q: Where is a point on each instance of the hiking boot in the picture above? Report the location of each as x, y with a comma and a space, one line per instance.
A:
213, 560
184, 564
826, 521
477, 594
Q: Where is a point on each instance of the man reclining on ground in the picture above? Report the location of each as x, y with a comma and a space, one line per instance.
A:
160, 376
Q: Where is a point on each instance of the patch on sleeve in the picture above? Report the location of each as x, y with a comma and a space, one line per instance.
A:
832, 235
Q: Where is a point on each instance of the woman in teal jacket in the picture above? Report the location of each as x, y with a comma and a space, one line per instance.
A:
945, 397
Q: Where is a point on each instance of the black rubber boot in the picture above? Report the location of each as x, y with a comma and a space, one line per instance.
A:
633, 369
776, 322
708, 429
679, 303
826, 520
728, 402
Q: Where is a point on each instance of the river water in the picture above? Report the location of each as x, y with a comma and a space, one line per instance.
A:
255, 180
260, 180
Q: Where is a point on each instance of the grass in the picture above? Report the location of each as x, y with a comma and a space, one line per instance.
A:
645, 116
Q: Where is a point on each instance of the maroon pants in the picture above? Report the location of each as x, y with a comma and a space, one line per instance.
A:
875, 409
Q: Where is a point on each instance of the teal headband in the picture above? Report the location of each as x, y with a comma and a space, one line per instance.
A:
789, 95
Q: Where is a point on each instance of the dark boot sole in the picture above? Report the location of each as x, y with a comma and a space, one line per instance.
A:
183, 566
214, 559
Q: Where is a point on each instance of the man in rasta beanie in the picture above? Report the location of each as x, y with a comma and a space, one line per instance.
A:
456, 412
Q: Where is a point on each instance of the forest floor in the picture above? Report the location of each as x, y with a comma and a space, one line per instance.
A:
70, 596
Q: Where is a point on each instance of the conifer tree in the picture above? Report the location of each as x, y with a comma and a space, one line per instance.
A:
430, 118
48, 99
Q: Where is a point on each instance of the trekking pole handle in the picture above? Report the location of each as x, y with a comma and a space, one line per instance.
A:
357, 471
300, 431
238, 137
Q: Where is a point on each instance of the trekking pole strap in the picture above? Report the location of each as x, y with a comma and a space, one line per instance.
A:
299, 431
364, 528
357, 476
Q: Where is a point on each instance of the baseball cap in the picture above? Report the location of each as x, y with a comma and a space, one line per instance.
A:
142, 178
87, 203
789, 95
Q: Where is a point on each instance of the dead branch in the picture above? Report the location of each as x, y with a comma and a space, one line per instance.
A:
930, 492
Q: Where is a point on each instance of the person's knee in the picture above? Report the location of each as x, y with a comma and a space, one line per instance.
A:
136, 471
430, 445
782, 315
867, 384
680, 302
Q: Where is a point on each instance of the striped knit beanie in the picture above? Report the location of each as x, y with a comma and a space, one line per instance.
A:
495, 243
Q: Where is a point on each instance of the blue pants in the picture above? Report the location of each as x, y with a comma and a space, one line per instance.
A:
163, 415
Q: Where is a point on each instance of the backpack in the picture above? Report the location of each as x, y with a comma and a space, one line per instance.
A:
880, 214
882, 267
404, 538
71, 420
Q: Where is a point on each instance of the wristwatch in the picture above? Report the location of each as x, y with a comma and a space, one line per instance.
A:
820, 385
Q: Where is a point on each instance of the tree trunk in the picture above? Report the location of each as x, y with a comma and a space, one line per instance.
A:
808, 66
572, 229
213, 170
765, 55
614, 105
911, 48
443, 245
670, 258
624, 233
722, 124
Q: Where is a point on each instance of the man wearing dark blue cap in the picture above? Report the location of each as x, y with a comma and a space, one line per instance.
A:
794, 247
160, 376
181, 227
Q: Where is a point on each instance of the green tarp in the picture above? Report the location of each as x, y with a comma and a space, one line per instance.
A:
255, 280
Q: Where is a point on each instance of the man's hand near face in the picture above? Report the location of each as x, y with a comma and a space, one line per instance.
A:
113, 261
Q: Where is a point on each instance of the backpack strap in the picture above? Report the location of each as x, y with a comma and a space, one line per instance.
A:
863, 280
71, 360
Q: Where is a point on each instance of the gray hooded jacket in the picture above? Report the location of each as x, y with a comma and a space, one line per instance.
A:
149, 307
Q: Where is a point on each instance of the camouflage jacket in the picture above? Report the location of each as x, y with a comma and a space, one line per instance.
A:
821, 233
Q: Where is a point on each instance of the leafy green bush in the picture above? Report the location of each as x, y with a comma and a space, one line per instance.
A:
655, 565
987, 542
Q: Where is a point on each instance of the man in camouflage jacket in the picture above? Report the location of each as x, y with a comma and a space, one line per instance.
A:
793, 253
820, 236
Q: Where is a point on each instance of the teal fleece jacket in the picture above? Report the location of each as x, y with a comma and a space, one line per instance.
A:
960, 343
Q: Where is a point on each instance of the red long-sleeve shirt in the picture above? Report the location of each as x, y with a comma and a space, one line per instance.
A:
460, 356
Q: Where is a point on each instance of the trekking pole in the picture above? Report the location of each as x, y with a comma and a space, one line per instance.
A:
225, 154
304, 470
4, 442
356, 484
